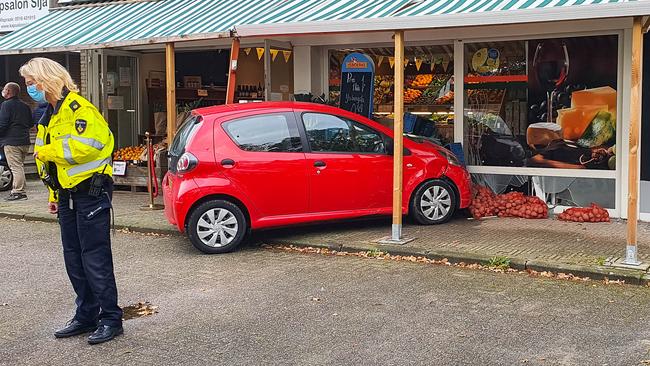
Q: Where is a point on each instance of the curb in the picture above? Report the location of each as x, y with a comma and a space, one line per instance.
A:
630, 276
634, 277
53, 219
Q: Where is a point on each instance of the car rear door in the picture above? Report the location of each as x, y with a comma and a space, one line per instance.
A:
348, 166
263, 157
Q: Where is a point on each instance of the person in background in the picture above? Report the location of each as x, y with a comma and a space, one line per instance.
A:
73, 151
39, 111
15, 123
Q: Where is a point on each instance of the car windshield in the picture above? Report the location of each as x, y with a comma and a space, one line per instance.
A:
186, 131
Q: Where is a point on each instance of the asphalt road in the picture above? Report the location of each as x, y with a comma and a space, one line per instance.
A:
261, 307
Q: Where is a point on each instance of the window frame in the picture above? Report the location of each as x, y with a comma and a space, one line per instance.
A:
294, 131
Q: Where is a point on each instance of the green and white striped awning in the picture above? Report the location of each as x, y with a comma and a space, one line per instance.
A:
323, 16
130, 23
137, 22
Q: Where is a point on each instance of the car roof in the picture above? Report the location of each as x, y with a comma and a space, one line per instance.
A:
236, 108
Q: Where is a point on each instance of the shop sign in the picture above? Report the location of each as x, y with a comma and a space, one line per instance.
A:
17, 13
357, 84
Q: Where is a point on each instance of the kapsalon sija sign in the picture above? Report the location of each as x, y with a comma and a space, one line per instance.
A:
17, 13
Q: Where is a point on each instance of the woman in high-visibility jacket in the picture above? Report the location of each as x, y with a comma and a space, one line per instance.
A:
73, 151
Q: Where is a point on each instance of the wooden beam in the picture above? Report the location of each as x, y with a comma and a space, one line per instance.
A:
232, 73
633, 158
398, 129
170, 67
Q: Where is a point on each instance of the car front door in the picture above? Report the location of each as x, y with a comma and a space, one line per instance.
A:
267, 162
349, 168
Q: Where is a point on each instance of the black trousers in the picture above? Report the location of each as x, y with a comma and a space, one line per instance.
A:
85, 233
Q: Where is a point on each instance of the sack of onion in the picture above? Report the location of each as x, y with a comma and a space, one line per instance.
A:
594, 213
512, 204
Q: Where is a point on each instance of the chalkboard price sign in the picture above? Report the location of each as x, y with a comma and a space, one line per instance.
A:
357, 84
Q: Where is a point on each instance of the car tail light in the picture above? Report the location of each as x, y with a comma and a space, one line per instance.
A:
186, 163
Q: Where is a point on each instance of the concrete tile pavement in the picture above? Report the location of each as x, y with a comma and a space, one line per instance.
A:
579, 248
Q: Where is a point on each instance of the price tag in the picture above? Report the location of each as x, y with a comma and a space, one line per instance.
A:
202, 92
119, 168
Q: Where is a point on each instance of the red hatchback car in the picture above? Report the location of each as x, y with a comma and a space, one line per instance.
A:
242, 167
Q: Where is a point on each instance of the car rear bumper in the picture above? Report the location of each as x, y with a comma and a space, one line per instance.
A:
177, 195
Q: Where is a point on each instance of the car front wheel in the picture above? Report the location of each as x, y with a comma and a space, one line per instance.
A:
433, 203
217, 226
6, 178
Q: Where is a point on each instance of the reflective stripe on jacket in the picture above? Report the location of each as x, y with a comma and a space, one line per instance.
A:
77, 140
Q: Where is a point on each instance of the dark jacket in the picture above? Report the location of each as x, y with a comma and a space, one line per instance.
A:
39, 111
15, 122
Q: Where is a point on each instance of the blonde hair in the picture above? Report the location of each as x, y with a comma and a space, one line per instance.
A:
50, 74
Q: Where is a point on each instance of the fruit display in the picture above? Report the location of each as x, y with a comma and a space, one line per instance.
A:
383, 89
421, 81
446, 99
511, 204
129, 153
594, 213
410, 95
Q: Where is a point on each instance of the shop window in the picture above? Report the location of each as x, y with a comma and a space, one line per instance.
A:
428, 87
266, 133
555, 191
548, 103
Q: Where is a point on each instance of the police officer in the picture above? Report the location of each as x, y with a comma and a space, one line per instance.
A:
73, 151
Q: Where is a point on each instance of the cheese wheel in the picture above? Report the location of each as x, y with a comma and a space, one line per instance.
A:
596, 96
541, 134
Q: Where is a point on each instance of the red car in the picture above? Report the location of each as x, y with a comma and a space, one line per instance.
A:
242, 167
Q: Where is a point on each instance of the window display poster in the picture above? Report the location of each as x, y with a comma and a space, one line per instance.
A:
357, 84
553, 103
572, 102
125, 76
111, 81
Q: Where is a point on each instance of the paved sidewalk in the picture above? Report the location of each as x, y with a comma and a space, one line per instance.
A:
578, 248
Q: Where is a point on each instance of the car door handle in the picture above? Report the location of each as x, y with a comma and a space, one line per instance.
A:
227, 162
319, 163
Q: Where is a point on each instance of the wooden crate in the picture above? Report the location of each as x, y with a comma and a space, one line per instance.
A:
136, 176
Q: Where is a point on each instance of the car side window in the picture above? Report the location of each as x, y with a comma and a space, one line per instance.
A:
327, 133
264, 133
368, 141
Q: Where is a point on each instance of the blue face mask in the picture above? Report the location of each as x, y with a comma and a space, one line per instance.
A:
37, 95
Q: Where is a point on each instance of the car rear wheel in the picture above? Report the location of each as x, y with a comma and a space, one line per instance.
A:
6, 178
433, 203
217, 226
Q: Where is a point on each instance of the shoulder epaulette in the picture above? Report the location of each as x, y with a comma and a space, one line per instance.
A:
74, 105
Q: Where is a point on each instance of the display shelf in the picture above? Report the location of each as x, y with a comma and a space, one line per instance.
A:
497, 79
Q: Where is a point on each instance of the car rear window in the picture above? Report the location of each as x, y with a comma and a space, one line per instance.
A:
185, 133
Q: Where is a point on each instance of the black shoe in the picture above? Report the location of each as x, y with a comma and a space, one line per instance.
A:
73, 328
105, 333
16, 197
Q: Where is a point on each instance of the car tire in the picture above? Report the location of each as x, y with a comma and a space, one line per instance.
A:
6, 178
217, 226
434, 202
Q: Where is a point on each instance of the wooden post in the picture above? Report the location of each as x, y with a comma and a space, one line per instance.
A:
170, 66
232, 73
635, 122
398, 148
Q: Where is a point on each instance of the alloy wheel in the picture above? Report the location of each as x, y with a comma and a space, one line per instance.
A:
217, 227
5, 177
435, 203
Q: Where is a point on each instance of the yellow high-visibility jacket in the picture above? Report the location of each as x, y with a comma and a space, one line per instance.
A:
77, 140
